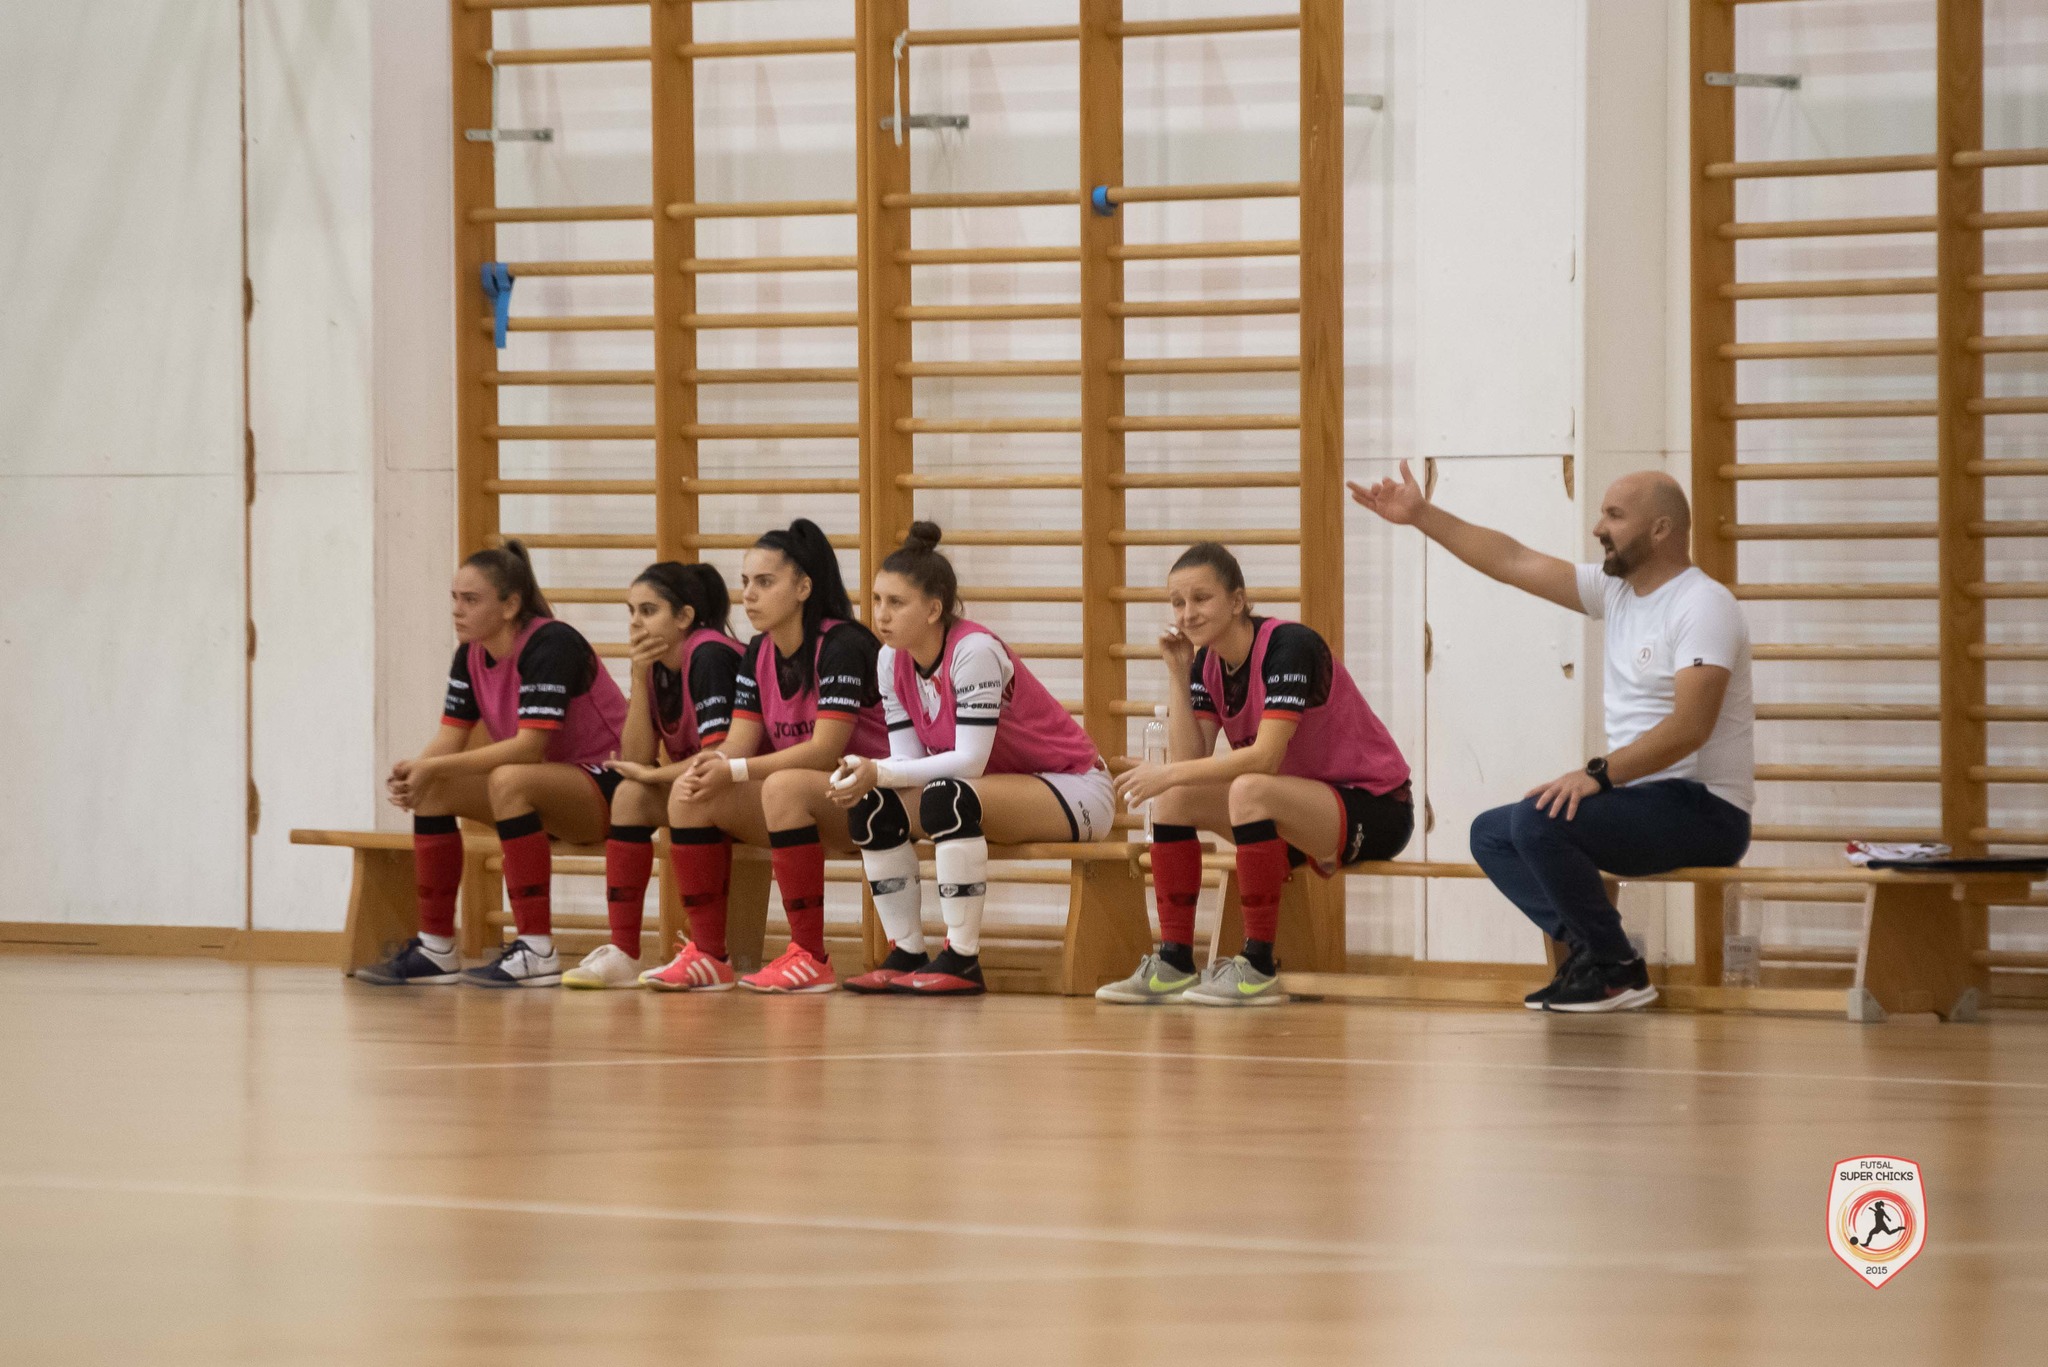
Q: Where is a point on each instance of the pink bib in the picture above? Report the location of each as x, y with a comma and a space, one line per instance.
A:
1035, 735
683, 741
1340, 742
790, 721
589, 730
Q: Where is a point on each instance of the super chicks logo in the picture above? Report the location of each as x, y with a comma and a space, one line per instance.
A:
1877, 1215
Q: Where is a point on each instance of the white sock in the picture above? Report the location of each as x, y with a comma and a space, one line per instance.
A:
542, 945
899, 900
437, 944
963, 886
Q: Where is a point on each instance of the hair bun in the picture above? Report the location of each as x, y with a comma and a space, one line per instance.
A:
923, 537
517, 549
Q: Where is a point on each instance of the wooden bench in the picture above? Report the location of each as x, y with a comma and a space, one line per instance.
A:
1108, 927
1919, 952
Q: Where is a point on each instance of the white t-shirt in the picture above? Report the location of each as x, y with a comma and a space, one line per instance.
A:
1692, 620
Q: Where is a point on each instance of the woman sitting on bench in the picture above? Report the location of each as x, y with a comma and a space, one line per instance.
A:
805, 697
685, 662
986, 752
553, 715
1311, 776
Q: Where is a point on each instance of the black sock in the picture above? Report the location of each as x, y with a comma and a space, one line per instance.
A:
1179, 956
1259, 954
904, 961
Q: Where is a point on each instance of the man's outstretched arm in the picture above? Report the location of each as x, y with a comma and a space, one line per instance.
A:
1494, 554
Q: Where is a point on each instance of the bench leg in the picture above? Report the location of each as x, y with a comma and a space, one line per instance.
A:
1311, 933
1915, 955
669, 922
483, 896
1108, 929
1318, 923
1228, 936
383, 907
874, 941
746, 912
1709, 932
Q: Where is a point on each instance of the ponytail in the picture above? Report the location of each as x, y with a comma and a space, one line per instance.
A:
919, 561
701, 588
510, 570
806, 546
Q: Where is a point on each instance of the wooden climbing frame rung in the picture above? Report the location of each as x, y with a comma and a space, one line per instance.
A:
1819, 166
766, 208
1220, 24
568, 377
560, 56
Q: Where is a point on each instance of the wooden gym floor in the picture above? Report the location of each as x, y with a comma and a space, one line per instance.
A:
210, 1163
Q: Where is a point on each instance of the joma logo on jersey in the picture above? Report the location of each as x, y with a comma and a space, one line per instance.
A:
792, 731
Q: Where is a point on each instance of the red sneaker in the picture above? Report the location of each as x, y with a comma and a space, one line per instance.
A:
692, 970
900, 964
795, 971
949, 975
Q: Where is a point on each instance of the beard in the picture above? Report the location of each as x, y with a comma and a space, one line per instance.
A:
1622, 561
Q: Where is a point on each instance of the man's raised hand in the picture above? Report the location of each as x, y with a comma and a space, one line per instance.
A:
1398, 501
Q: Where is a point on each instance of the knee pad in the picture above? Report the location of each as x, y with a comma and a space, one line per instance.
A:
878, 821
950, 810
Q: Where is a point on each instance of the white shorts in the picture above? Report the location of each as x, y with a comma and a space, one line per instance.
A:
1089, 799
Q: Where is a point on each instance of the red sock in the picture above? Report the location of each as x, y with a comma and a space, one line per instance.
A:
437, 871
529, 873
1176, 881
800, 872
702, 859
628, 864
1262, 870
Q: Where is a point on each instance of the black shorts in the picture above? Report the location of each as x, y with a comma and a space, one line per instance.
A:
1376, 826
607, 781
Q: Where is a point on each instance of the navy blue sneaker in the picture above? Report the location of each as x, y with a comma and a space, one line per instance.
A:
521, 965
413, 966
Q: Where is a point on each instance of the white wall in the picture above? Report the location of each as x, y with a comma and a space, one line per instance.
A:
121, 630
313, 522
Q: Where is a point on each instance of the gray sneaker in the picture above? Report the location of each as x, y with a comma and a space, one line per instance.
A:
1236, 983
1155, 981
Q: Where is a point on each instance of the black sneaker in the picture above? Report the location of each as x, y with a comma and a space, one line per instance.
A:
412, 966
521, 965
1534, 1001
1594, 986
949, 974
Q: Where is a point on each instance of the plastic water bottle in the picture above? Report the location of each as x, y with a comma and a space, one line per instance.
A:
1155, 753
1742, 940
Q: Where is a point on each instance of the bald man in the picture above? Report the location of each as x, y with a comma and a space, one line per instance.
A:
1676, 786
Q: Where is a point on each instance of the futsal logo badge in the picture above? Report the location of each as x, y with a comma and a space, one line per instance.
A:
1877, 1215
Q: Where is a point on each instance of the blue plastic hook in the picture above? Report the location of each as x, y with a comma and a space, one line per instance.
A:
497, 281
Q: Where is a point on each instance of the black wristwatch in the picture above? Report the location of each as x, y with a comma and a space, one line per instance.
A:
1597, 767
